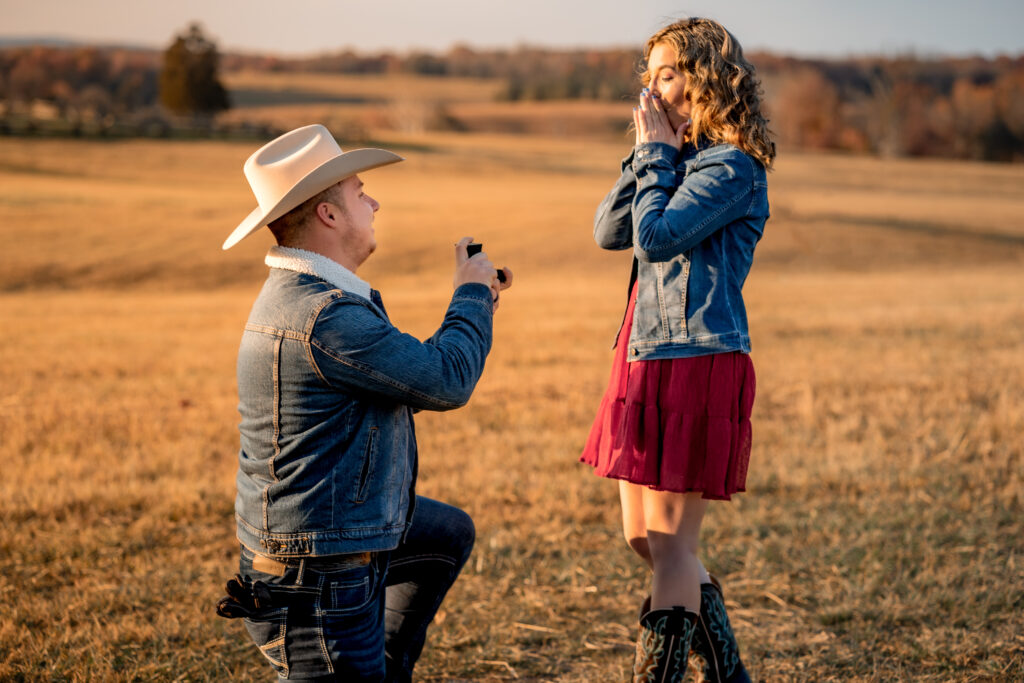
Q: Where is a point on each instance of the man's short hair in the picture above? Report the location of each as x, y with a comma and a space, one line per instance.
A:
287, 228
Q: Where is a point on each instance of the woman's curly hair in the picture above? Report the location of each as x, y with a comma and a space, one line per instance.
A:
721, 86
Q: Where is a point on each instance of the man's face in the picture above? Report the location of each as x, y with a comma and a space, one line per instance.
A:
358, 209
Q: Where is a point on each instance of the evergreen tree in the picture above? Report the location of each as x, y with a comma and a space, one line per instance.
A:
189, 83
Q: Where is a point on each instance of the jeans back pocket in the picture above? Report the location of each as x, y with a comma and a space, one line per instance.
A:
268, 632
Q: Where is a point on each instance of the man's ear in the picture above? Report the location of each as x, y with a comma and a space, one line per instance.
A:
325, 212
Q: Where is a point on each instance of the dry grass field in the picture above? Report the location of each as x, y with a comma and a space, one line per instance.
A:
882, 534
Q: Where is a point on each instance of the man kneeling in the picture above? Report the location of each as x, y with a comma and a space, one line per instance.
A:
342, 567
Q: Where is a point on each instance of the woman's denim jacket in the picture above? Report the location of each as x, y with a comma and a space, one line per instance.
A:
327, 388
692, 218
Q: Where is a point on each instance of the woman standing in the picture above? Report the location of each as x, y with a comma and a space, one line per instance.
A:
674, 424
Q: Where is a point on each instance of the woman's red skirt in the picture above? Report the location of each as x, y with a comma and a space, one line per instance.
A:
680, 424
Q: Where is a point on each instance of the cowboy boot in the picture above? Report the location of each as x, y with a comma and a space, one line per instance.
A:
645, 607
714, 641
663, 647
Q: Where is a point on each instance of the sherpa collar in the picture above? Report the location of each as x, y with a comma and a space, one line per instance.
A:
317, 265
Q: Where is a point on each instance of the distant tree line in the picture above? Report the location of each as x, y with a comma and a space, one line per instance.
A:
529, 73
968, 108
965, 108
82, 81
95, 89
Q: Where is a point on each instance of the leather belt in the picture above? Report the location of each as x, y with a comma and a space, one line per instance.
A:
275, 567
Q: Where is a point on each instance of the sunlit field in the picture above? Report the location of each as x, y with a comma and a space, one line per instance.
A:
882, 534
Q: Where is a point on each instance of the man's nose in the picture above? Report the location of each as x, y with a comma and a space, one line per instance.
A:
374, 203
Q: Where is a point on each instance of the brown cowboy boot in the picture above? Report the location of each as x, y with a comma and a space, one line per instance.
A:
663, 646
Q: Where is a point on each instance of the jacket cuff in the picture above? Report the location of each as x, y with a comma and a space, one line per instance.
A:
627, 161
654, 153
476, 291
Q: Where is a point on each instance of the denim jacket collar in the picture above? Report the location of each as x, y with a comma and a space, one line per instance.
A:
317, 265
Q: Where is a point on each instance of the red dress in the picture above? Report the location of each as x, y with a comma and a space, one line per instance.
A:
681, 424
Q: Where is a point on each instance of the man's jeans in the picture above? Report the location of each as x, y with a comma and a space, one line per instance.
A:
337, 619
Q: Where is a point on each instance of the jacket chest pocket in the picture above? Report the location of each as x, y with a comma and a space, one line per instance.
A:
368, 465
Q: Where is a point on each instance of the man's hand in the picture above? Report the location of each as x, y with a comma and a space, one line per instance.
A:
478, 268
498, 286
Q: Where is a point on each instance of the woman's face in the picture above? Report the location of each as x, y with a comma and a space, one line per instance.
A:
668, 83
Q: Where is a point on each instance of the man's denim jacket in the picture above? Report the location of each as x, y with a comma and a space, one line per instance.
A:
327, 388
692, 218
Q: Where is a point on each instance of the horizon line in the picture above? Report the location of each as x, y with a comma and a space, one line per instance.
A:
62, 41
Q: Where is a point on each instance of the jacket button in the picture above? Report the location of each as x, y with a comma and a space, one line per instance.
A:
636, 351
273, 546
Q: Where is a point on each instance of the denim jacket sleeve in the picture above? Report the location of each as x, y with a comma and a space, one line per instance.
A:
355, 347
670, 217
613, 222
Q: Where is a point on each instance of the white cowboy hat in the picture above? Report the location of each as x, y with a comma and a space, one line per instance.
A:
296, 166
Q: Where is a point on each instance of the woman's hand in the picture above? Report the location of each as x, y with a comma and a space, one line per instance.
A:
652, 123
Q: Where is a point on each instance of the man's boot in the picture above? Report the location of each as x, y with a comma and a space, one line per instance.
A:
663, 646
714, 640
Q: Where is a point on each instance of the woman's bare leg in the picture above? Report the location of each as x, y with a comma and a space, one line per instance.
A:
673, 523
633, 526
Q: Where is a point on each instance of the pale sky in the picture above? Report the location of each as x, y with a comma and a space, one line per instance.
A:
298, 27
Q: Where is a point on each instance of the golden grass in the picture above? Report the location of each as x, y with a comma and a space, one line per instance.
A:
880, 538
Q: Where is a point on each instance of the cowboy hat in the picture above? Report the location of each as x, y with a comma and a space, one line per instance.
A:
295, 167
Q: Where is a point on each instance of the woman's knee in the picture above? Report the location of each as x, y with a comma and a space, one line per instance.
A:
638, 543
674, 515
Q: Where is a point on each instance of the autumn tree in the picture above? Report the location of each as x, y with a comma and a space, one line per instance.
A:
189, 82
806, 110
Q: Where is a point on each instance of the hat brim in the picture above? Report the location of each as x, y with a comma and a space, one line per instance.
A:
319, 179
